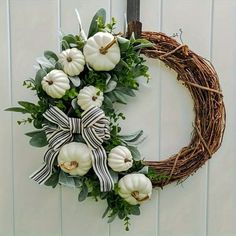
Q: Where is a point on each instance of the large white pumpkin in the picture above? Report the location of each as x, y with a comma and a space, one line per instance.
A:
72, 61
89, 96
102, 52
74, 158
120, 159
135, 188
55, 83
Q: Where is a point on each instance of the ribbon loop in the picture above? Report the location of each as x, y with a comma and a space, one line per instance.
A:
94, 128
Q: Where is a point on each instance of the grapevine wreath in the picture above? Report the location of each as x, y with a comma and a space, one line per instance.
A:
77, 119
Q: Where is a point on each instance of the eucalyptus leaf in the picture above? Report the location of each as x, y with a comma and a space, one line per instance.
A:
32, 133
65, 180
65, 45
132, 137
58, 66
135, 153
111, 86
17, 109
111, 218
75, 81
123, 43
74, 103
108, 78
121, 215
106, 212
70, 39
114, 176
39, 76
53, 180
143, 45
135, 210
44, 62
37, 124
39, 139
107, 102
83, 193
144, 170
127, 91
93, 29
51, 55
120, 97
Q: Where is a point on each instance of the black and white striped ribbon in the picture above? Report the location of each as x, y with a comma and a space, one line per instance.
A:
94, 128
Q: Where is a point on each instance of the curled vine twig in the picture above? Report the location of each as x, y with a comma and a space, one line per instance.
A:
201, 79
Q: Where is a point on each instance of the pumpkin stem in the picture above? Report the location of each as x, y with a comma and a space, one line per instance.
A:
94, 98
127, 160
49, 82
69, 59
135, 195
104, 50
69, 166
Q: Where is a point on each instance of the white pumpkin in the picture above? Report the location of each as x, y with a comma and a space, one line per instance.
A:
120, 159
135, 188
102, 52
72, 61
55, 83
74, 158
90, 96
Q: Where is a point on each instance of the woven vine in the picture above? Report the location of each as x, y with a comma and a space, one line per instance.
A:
200, 78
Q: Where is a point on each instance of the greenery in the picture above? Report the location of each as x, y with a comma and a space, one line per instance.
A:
117, 85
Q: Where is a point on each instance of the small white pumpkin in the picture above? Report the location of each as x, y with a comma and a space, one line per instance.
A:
120, 159
135, 188
72, 61
89, 96
74, 158
102, 52
55, 83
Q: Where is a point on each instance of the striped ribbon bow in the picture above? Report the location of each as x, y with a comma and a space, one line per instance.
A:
94, 128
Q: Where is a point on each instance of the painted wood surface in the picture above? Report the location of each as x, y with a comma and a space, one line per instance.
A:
204, 205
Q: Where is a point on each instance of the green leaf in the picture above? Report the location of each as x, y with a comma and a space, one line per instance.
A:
127, 91
121, 215
110, 86
132, 137
31, 134
17, 109
39, 76
120, 97
70, 39
135, 153
83, 193
144, 170
106, 212
107, 102
93, 29
53, 180
37, 124
65, 180
114, 175
38, 139
51, 55
58, 66
123, 43
65, 45
135, 210
111, 218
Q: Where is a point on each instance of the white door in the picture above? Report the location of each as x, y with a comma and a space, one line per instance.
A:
204, 205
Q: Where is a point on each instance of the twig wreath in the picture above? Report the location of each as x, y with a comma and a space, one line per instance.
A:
76, 118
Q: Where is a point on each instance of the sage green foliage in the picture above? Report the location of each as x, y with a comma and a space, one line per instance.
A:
157, 177
118, 86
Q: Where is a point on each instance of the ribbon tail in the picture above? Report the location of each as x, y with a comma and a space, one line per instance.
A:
45, 172
99, 160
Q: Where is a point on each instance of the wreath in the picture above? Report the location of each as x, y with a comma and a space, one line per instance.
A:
77, 119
